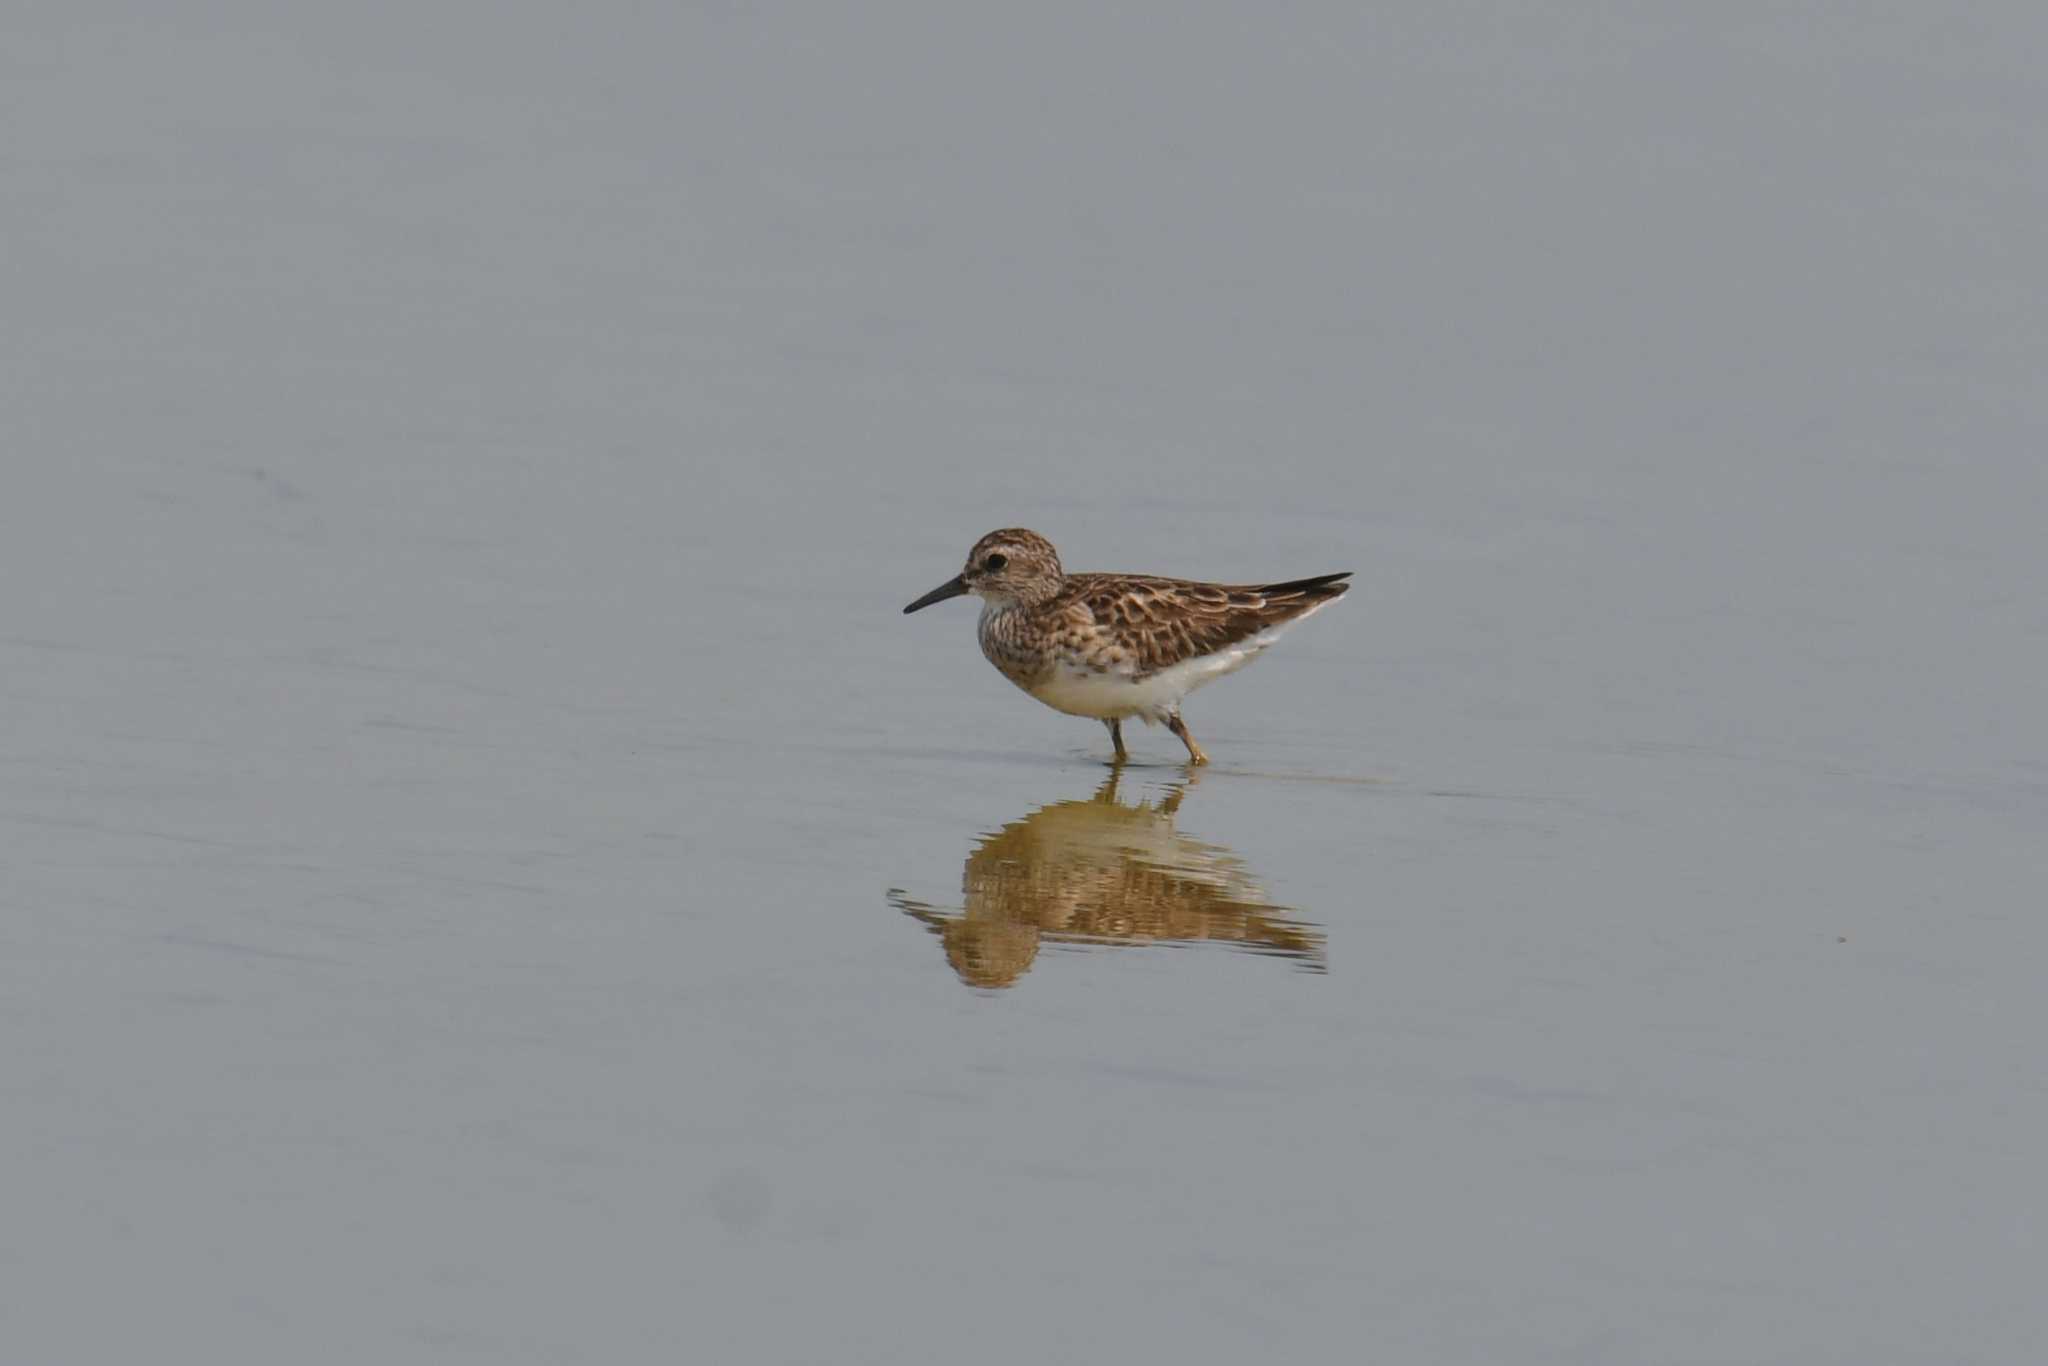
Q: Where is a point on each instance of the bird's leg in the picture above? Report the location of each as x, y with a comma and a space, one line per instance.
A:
1180, 728
1116, 737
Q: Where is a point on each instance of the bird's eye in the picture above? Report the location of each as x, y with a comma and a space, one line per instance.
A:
995, 562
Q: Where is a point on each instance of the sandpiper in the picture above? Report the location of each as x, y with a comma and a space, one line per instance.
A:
1113, 646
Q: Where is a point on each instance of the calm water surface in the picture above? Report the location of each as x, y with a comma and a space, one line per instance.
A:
491, 875
1097, 871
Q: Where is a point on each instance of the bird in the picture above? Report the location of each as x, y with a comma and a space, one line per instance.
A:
1117, 646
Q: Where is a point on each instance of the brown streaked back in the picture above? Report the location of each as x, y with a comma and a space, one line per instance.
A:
1165, 621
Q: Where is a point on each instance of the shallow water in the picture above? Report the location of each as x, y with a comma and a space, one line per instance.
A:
1097, 871
492, 874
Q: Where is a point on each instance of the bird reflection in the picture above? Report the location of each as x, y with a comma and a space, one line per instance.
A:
1099, 871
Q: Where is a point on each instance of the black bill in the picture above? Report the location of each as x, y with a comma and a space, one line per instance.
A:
951, 588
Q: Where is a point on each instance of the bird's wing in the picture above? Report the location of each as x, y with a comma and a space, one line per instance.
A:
1160, 622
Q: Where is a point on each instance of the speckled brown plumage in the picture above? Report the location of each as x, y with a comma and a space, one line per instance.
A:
1161, 622
1113, 646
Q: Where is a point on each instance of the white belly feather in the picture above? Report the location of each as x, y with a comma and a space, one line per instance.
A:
1105, 696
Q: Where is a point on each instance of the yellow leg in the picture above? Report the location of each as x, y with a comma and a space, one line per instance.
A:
1180, 728
1116, 737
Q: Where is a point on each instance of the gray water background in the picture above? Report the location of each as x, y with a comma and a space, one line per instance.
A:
464, 769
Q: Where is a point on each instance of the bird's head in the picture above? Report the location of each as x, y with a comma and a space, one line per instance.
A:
1009, 566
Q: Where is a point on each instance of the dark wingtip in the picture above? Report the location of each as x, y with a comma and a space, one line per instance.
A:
1324, 585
